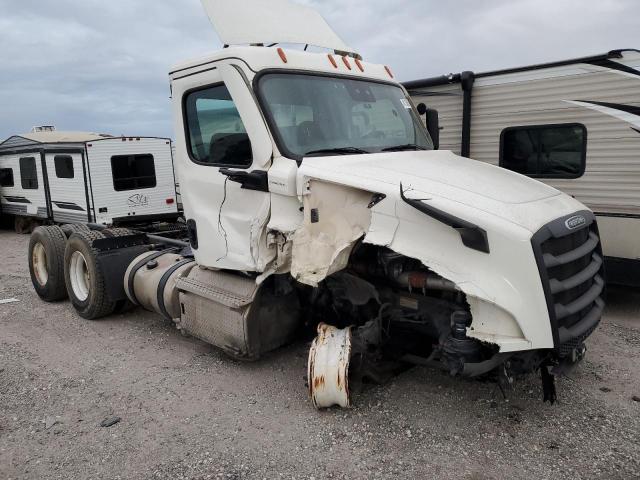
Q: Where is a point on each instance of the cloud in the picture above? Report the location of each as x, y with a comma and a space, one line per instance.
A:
102, 66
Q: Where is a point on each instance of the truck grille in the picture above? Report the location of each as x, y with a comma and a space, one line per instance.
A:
571, 266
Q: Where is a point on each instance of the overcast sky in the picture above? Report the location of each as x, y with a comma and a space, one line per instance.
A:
102, 65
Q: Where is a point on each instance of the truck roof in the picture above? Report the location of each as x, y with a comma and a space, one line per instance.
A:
258, 58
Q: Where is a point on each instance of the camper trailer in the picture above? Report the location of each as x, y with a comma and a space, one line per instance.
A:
74, 177
573, 124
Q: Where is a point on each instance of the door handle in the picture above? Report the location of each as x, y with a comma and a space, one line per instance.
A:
254, 180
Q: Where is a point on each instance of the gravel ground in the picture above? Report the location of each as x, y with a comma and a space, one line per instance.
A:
187, 411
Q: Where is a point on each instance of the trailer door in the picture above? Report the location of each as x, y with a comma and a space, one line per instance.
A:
67, 187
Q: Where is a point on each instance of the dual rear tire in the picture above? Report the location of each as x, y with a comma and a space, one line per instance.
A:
84, 279
61, 268
46, 262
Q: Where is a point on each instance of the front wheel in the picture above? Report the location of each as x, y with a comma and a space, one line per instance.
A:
84, 279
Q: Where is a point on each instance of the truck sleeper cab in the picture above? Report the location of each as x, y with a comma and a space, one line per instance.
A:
315, 202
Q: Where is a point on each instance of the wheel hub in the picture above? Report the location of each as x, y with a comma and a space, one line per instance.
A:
39, 260
79, 276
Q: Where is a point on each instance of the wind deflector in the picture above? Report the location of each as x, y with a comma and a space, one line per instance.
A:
472, 235
267, 22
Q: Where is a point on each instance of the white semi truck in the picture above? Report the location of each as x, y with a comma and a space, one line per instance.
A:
315, 200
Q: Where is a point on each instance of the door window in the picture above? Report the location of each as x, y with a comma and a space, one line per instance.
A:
133, 172
64, 166
215, 132
6, 177
28, 173
545, 151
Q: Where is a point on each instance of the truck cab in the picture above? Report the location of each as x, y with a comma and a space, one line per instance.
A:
317, 165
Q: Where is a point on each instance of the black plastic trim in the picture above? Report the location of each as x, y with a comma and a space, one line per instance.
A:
558, 229
163, 282
145, 218
257, 180
582, 276
472, 235
138, 266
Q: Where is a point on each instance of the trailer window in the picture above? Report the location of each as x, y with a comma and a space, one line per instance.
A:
215, 132
28, 173
545, 151
133, 172
64, 166
6, 177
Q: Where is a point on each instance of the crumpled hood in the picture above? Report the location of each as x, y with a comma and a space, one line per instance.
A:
440, 174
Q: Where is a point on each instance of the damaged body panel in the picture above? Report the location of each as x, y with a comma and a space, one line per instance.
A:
501, 284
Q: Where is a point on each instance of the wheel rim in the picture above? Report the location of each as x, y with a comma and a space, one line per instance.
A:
39, 260
79, 276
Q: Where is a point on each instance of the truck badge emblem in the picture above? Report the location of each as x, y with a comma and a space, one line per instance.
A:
575, 222
137, 200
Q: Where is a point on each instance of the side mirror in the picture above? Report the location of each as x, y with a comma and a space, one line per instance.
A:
433, 126
422, 108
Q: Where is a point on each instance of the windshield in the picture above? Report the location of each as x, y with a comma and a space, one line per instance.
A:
322, 115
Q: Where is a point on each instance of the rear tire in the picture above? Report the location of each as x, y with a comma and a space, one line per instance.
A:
71, 228
84, 280
23, 225
46, 262
116, 232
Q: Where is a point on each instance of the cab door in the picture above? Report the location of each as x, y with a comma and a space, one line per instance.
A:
222, 145
67, 188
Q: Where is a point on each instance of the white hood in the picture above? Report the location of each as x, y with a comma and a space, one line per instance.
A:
440, 176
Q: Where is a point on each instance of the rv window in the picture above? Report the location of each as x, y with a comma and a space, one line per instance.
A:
545, 151
64, 166
28, 173
215, 132
133, 172
6, 177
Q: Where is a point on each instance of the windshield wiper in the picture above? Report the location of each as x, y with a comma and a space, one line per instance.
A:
407, 146
337, 151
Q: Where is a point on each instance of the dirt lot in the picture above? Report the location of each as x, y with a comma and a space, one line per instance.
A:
189, 412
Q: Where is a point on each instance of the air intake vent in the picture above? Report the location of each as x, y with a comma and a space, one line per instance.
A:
571, 267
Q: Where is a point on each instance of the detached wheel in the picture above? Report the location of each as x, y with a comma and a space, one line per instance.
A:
84, 280
46, 262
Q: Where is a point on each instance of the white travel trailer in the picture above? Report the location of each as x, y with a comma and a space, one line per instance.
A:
79, 177
573, 124
315, 200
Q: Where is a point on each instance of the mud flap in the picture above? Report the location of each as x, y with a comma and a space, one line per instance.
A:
548, 385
